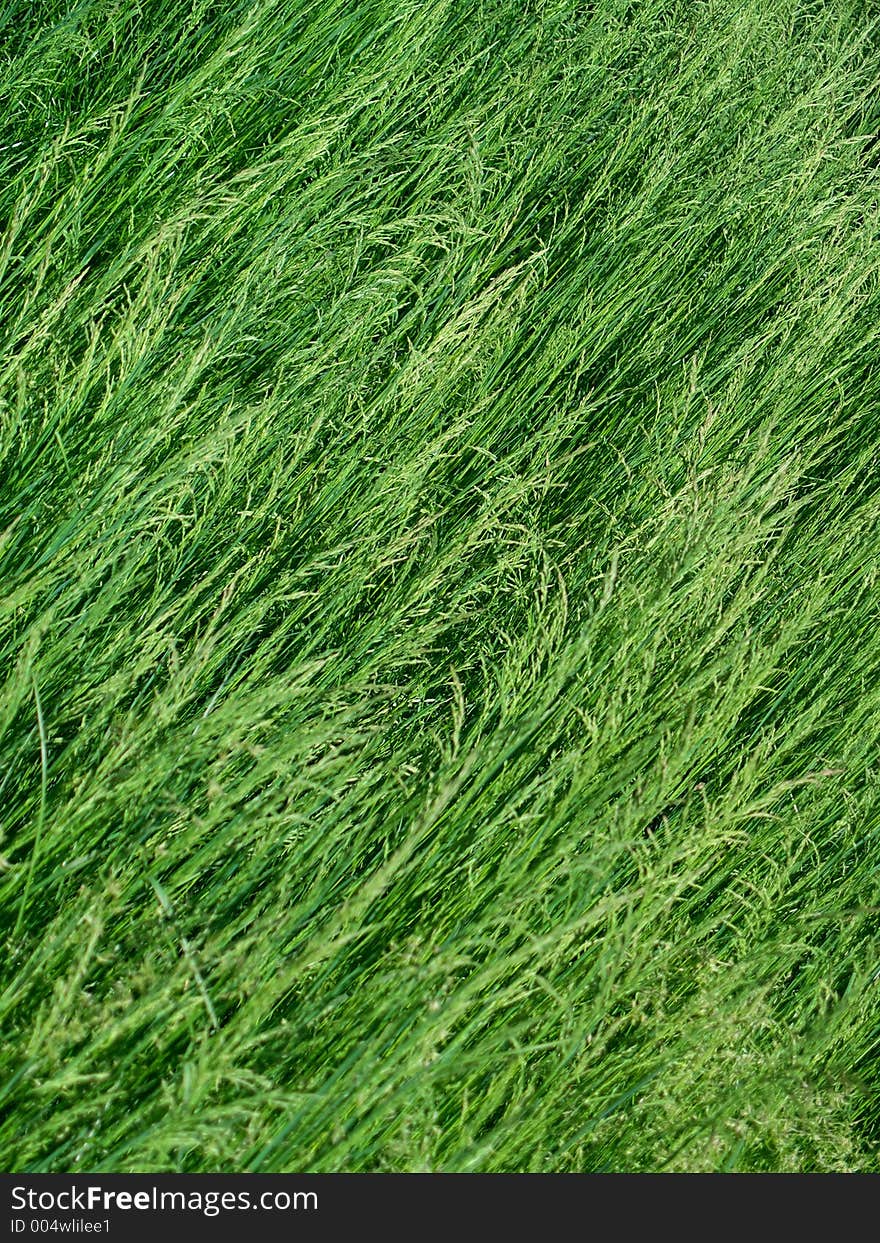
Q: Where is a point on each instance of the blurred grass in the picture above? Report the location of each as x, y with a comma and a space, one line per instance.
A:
439, 654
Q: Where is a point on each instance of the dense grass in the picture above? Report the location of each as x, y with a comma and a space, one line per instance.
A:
439, 636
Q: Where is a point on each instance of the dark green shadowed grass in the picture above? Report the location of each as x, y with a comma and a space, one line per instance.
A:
439, 648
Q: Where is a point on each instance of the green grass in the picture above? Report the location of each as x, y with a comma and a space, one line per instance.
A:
440, 621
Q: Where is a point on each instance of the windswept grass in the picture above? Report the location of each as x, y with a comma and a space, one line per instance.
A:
439, 632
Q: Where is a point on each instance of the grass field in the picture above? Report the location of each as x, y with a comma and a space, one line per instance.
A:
440, 619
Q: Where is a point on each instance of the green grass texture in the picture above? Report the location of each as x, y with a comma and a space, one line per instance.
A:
439, 602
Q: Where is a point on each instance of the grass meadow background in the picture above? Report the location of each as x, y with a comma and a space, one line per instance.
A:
439, 603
